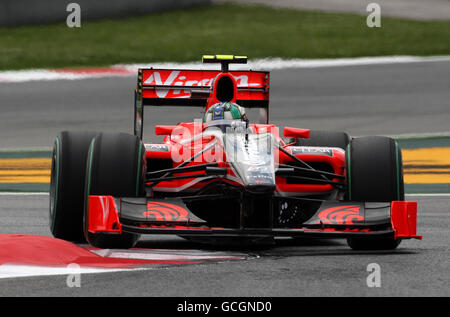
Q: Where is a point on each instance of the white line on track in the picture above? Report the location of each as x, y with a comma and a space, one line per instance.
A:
9, 270
28, 149
46, 194
265, 63
281, 63
12, 271
23, 193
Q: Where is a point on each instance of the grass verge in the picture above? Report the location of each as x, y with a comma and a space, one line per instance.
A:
253, 30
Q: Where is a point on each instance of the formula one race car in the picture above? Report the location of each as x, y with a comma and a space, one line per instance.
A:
224, 177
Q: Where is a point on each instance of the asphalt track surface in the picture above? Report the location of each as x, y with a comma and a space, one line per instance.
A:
363, 100
289, 268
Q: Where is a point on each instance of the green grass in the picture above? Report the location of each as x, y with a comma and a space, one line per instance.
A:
256, 31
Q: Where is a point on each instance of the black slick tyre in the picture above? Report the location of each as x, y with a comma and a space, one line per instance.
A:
115, 166
374, 174
67, 184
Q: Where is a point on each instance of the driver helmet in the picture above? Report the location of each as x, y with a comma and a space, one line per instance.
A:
225, 111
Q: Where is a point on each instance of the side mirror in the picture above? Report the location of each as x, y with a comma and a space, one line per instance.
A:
164, 129
289, 132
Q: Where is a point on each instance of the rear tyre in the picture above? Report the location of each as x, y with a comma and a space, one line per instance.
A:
325, 138
374, 174
115, 166
67, 185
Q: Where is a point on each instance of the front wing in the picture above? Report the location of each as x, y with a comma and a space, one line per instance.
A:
333, 219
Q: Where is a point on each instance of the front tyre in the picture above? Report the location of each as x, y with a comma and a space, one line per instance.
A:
116, 167
67, 184
374, 174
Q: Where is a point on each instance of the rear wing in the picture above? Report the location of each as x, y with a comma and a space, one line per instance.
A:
201, 88
166, 87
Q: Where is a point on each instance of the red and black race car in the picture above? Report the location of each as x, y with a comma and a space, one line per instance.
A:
226, 178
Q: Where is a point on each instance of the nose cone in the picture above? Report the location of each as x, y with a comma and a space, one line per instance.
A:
260, 181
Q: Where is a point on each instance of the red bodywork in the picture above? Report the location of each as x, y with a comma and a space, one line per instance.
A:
176, 134
182, 142
248, 87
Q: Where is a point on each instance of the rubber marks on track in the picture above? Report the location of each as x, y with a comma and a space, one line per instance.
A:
31, 255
